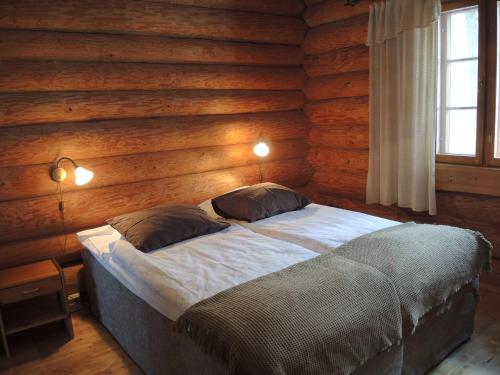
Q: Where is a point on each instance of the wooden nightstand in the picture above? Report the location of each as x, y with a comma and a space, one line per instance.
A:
31, 296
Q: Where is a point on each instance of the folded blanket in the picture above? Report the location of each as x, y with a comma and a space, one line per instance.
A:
426, 263
327, 315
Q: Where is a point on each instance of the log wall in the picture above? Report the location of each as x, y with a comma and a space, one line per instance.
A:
162, 99
337, 94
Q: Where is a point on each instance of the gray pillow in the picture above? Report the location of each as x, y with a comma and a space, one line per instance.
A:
258, 202
157, 227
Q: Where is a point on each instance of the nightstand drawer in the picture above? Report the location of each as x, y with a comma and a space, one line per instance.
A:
30, 290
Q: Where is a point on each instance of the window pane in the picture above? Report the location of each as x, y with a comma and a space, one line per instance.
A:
458, 82
461, 132
463, 33
462, 81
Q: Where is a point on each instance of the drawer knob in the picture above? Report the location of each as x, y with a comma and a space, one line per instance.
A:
34, 290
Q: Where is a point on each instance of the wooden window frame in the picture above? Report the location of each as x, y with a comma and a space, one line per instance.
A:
487, 71
481, 97
491, 105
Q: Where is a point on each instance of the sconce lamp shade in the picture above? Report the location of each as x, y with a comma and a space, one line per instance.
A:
82, 175
261, 149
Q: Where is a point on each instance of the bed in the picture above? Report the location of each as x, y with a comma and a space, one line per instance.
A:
130, 296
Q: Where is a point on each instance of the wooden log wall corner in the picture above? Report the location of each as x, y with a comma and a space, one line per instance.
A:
165, 98
337, 100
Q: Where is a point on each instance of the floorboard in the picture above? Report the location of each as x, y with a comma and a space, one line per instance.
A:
46, 350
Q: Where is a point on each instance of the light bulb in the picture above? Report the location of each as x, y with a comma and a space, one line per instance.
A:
261, 149
83, 176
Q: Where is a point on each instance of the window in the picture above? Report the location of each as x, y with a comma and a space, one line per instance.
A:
459, 116
469, 83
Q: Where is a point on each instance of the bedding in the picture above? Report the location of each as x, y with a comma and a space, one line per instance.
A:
160, 226
427, 264
258, 202
173, 278
319, 228
330, 312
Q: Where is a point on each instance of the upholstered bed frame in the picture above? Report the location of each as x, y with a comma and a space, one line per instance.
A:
146, 335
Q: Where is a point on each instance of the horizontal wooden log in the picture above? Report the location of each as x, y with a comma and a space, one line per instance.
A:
338, 86
344, 111
39, 144
470, 179
46, 45
72, 76
345, 183
492, 281
344, 60
332, 36
33, 180
333, 10
146, 17
280, 7
327, 157
340, 136
32, 250
40, 216
20, 109
311, 2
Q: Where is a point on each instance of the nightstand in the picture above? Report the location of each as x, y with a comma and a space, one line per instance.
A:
30, 296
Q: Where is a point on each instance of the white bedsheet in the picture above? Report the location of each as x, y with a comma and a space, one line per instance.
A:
319, 228
173, 278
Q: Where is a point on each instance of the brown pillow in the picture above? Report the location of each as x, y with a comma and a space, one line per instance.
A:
258, 202
160, 226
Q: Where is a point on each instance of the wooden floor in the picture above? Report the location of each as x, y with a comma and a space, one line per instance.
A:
94, 351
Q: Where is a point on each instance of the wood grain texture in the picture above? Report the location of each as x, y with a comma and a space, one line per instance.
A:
88, 208
333, 36
341, 182
344, 60
146, 17
78, 76
280, 7
40, 144
462, 178
327, 157
141, 167
20, 109
340, 136
343, 111
333, 10
47, 45
338, 86
162, 99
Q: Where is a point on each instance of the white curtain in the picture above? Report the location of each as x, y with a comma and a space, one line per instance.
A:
403, 41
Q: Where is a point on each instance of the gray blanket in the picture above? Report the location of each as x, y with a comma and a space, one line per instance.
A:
327, 315
426, 263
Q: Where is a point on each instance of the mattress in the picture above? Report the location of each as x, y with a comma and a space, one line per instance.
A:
319, 228
175, 277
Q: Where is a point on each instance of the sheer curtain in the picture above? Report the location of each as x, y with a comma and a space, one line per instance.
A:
403, 41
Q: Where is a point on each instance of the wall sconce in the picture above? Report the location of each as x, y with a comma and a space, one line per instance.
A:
82, 175
261, 149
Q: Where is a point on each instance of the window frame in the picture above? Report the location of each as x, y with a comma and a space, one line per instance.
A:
478, 159
491, 105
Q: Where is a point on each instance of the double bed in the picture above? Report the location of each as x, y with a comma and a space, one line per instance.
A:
139, 296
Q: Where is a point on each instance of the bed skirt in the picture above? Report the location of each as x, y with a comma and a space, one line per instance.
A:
146, 335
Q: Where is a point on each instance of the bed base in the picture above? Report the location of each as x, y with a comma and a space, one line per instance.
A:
146, 335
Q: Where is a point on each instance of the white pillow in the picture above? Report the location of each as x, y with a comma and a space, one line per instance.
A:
98, 240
